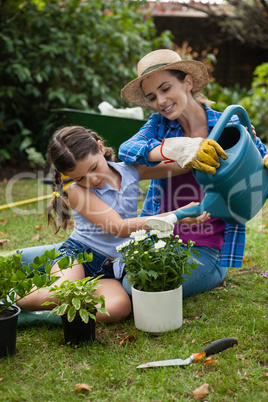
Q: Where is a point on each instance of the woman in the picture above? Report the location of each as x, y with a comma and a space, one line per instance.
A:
179, 128
103, 198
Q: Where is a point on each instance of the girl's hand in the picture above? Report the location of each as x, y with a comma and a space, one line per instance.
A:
194, 220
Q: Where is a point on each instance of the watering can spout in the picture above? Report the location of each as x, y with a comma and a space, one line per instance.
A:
212, 203
166, 223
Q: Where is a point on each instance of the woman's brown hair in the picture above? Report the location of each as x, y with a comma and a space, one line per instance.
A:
68, 146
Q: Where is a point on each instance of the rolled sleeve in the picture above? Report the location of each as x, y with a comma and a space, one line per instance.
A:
136, 149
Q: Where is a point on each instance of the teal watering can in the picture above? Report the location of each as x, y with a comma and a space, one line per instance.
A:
239, 189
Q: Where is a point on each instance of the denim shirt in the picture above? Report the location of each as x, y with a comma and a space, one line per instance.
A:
135, 151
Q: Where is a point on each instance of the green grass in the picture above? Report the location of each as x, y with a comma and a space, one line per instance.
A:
44, 369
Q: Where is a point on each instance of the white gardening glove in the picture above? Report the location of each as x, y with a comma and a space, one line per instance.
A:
199, 153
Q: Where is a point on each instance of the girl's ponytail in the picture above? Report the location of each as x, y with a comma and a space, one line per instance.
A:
109, 154
58, 206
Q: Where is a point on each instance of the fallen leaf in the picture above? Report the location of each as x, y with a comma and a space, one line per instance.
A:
129, 337
71, 224
193, 341
82, 389
1, 379
210, 360
266, 374
3, 242
3, 234
39, 227
37, 237
245, 260
4, 221
201, 392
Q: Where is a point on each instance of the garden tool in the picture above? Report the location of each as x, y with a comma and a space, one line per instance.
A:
239, 189
211, 349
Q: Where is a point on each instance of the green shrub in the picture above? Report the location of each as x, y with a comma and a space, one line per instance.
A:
64, 54
256, 103
255, 100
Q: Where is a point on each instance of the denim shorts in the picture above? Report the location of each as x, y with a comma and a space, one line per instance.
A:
100, 265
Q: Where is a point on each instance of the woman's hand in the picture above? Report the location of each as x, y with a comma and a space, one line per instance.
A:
207, 157
194, 220
198, 153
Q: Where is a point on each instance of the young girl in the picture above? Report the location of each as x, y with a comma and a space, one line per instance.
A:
103, 199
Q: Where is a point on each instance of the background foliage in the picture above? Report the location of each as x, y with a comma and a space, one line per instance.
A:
64, 54
77, 54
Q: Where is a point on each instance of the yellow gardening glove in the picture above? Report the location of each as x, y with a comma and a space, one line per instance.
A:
207, 157
199, 153
265, 159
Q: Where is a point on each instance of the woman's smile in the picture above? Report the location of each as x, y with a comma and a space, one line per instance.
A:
168, 109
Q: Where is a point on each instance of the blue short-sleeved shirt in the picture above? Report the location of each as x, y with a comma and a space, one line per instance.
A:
125, 202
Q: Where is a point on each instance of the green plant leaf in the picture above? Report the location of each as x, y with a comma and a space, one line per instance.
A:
61, 310
71, 314
76, 303
84, 315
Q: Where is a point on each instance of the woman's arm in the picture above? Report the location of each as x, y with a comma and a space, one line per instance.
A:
136, 149
105, 217
160, 171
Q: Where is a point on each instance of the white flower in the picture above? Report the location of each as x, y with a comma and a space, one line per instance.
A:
162, 235
160, 244
140, 238
133, 235
180, 241
154, 232
123, 245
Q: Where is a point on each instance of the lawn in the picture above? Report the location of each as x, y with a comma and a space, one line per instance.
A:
44, 369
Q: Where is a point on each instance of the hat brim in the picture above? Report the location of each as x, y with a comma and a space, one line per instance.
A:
133, 93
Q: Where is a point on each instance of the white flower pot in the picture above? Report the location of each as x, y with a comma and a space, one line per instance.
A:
157, 312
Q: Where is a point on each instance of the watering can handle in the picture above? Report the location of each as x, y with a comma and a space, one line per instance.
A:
226, 116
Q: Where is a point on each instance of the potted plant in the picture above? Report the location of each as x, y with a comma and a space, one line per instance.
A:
77, 305
18, 281
155, 265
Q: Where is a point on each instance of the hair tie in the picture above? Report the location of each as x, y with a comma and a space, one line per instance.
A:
56, 194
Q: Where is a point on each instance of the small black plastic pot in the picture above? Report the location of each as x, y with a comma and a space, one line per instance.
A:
77, 331
8, 331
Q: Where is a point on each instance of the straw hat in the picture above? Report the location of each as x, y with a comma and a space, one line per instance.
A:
159, 60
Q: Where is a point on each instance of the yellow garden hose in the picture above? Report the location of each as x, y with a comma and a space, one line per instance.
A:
15, 204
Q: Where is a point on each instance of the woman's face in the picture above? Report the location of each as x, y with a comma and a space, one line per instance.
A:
92, 171
166, 94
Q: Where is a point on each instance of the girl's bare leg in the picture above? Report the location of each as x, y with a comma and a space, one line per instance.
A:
117, 301
34, 301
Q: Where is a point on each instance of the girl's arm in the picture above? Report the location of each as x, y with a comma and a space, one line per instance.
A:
102, 215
